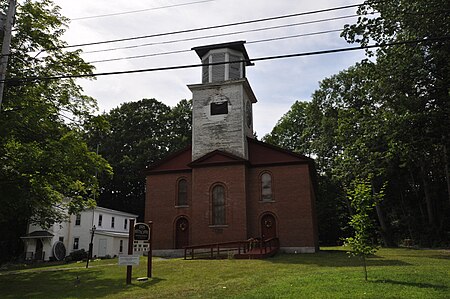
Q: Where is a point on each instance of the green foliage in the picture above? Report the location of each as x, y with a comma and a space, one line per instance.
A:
387, 117
45, 161
363, 201
77, 255
131, 137
292, 130
395, 273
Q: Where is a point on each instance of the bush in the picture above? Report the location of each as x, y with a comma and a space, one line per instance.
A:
77, 255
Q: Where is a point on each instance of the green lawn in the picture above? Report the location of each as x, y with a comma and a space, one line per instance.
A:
393, 273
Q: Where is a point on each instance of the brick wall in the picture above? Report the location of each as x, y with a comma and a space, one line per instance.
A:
292, 205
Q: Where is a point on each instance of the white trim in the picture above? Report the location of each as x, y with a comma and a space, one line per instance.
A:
227, 66
101, 209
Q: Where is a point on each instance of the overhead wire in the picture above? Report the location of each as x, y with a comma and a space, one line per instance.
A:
222, 34
321, 52
140, 10
212, 27
189, 50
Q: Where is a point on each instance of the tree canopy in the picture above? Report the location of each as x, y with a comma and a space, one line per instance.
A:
137, 134
45, 161
386, 118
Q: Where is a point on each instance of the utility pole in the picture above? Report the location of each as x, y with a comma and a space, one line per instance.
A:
6, 44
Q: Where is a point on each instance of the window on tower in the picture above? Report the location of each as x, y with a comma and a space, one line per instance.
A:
219, 108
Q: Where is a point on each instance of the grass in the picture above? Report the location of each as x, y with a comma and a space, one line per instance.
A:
393, 273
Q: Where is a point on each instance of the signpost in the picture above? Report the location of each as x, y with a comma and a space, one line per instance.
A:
140, 232
130, 250
129, 260
150, 253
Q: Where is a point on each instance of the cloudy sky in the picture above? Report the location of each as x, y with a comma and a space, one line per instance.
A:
277, 84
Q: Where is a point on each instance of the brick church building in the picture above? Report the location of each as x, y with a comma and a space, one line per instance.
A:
228, 186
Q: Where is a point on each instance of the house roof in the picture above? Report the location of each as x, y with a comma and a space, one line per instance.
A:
259, 153
237, 46
38, 234
177, 161
111, 211
216, 157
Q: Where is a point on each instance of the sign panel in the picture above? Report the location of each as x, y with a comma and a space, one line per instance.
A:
141, 232
128, 260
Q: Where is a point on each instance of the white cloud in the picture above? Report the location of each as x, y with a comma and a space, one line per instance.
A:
276, 83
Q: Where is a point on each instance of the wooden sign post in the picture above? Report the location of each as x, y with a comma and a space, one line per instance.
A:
149, 256
130, 250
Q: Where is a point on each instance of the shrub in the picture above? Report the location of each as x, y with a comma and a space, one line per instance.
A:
77, 255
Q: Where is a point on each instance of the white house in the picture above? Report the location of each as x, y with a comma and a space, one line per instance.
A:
110, 237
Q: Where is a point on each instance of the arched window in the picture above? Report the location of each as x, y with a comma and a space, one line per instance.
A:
182, 199
218, 205
266, 187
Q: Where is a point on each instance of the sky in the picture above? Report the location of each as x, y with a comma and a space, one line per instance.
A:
277, 84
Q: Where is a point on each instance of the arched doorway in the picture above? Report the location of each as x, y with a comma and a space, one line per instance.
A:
268, 226
181, 233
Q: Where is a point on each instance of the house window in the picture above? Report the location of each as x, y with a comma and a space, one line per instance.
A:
182, 193
76, 243
125, 223
121, 246
100, 220
266, 187
112, 222
78, 219
218, 205
61, 239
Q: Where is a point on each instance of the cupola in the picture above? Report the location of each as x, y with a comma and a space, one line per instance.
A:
218, 61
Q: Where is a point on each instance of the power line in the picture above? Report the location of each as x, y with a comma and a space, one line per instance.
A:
222, 34
213, 27
338, 50
189, 50
140, 10
141, 56
293, 36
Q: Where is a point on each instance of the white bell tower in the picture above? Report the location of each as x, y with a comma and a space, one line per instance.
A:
222, 116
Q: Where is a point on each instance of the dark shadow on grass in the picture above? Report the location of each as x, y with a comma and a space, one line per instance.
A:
63, 284
147, 283
413, 284
333, 259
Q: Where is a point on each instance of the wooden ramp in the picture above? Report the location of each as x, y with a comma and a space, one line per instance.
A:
248, 249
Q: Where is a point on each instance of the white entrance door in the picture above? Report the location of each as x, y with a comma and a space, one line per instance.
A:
102, 247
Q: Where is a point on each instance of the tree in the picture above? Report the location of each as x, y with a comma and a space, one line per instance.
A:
292, 130
44, 159
387, 118
363, 201
416, 82
135, 135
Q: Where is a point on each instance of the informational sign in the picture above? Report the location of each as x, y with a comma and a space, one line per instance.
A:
128, 260
141, 232
139, 247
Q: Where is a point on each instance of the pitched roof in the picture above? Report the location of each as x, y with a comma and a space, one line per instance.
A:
38, 234
177, 161
260, 154
237, 46
217, 157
